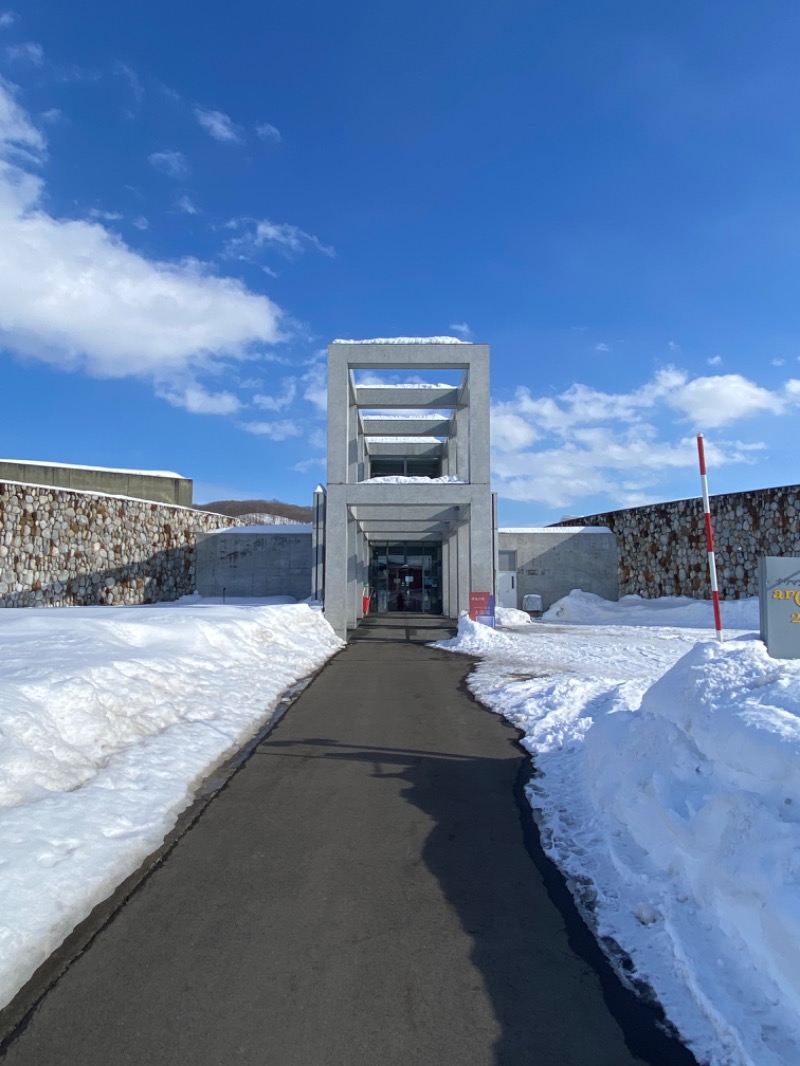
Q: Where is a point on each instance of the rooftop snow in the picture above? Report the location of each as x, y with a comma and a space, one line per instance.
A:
102, 469
554, 529
406, 340
406, 418
402, 440
283, 529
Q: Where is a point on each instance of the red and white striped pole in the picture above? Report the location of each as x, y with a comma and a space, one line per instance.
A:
712, 563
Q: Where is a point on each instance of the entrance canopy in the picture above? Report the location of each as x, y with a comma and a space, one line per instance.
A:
408, 460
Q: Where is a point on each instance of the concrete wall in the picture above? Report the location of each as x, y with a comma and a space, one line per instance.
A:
251, 562
551, 562
63, 548
141, 485
662, 548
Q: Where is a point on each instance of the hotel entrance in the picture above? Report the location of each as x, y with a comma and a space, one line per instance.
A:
406, 576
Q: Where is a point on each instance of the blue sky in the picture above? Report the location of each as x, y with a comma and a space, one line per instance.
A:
196, 199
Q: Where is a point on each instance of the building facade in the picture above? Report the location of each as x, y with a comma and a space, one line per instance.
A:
406, 520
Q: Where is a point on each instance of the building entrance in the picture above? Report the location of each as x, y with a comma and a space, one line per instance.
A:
406, 576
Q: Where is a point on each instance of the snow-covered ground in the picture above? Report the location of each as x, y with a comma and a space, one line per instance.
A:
109, 719
667, 788
667, 776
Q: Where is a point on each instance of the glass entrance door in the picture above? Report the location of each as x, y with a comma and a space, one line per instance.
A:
406, 576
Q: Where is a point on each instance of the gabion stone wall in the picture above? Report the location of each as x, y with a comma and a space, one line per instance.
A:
662, 547
62, 548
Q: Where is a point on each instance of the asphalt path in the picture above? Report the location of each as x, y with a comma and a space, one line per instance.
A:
367, 889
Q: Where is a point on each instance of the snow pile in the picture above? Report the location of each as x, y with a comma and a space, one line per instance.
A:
510, 616
667, 788
696, 796
110, 717
475, 638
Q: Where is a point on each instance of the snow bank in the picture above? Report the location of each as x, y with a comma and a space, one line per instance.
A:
667, 788
680, 611
510, 616
109, 719
697, 799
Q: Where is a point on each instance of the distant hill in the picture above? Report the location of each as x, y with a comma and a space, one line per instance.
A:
293, 511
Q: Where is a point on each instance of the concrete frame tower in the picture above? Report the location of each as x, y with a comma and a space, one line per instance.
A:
449, 424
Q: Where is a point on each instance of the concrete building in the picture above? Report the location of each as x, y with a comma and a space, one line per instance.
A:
407, 516
154, 485
551, 561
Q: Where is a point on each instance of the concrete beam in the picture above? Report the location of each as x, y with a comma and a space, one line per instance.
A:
406, 427
409, 356
435, 494
389, 514
378, 397
435, 449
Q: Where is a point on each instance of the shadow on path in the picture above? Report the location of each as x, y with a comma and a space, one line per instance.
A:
503, 901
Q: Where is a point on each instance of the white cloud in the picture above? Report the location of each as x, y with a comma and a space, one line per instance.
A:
715, 360
278, 403
673, 346
265, 131
280, 430
52, 115
511, 433
7, 18
132, 79
717, 401
18, 136
140, 222
198, 401
621, 445
316, 463
219, 125
602, 347
777, 362
170, 162
75, 296
461, 328
315, 383
27, 52
259, 234
104, 216
186, 205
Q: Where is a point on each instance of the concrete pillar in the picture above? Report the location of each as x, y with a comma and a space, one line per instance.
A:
479, 423
318, 545
452, 574
463, 568
481, 546
336, 551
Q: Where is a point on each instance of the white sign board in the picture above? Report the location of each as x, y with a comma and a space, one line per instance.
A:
779, 603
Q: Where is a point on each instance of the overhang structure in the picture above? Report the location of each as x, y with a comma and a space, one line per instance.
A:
410, 421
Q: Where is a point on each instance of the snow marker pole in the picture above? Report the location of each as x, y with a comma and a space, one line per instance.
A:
712, 563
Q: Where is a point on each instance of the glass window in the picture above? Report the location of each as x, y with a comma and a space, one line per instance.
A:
424, 467
386, 467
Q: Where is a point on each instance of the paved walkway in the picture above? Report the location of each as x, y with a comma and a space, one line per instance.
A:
366, 891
